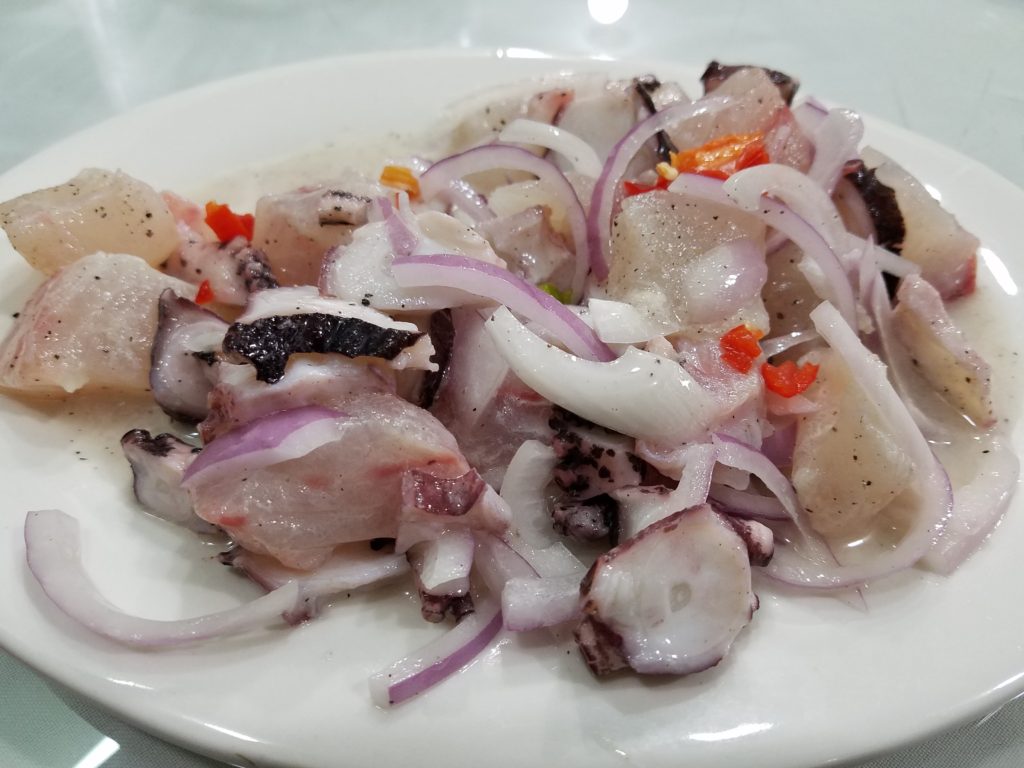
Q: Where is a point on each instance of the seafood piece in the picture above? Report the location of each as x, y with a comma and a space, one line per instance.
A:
488, 410
238, 396
297, 483
755, 105
530, 247
96, 211
184, 349
934, 240
939, 351
670, 600
281, 322
658, 255
296, 229
361, 270
483, 124
846, 431
231, 270
717, 73
869, 207
91, 326
158, 464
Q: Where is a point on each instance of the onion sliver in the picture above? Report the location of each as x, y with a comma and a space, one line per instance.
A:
442, 173
531, 534
747, 504
734, 454
978, 507
603, 200
272, 439
530, 602
438, 659
813, 243
638, 394
617, 322
460, 195
836, 139
53, 551
574, 149
482, 279
779, 344
935, 502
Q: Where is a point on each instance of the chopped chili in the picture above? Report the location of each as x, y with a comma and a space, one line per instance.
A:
722, 157
205, 293
226, 224
740, 348
787, 379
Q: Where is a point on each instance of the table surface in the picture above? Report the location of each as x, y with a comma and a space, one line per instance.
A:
950, 71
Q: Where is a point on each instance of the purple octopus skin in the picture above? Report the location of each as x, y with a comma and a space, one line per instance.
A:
591, 460
268, 342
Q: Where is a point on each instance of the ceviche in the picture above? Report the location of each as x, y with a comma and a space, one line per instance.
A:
611, 359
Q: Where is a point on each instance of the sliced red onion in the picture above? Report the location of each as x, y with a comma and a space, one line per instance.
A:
271, 439
734, 454
445, 562
747, 503
836, 139
935, 495
978, 506
497, 562
886, 260
810, 240
581, 155
781, 443
810, 114
439, 659
460, 195
53, 550
500, 285
531, 534
530, 602
900, 363
654, 398
440, 175
403, 239
779, 344
605, 195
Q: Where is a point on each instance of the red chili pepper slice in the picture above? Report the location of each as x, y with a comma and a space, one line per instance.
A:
226, 224
740, 348
631, 188
205, 293
787, 379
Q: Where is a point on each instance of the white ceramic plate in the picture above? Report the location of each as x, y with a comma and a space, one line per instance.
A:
809, 681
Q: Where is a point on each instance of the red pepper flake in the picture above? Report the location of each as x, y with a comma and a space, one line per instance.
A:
787, 379
740, 348
631, 188
226, 224
724, 156
205, 293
